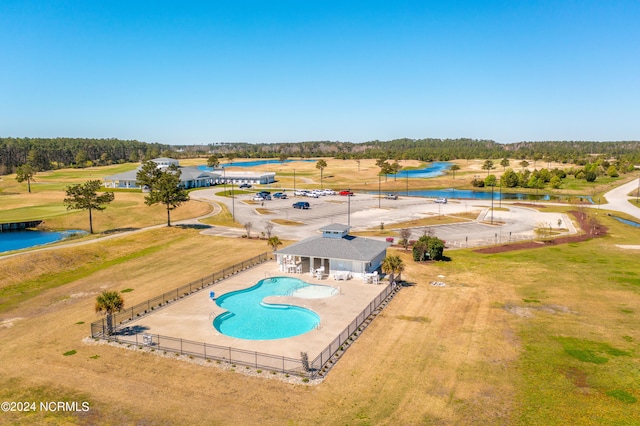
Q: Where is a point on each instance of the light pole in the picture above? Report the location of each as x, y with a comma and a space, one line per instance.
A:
378, 191
406, 173
348, 210
638, 193
294, 181
492, 204
500, 199
233, 203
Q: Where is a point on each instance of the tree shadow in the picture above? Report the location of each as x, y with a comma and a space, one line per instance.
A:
194, 226
131, 331
119, 230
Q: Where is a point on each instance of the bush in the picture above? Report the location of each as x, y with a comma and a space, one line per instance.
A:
428, 248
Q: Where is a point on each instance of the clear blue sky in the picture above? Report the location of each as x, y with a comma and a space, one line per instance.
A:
195, 72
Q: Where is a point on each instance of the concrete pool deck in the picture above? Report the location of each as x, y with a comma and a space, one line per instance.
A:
191, 318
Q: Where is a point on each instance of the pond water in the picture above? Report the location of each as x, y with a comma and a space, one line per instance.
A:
469, 194
437, 168
17, 240
627, 221
254, 163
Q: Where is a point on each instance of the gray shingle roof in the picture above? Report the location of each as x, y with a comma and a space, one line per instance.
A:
347, 248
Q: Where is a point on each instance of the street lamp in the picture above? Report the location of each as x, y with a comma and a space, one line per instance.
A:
233, 202
406, 173
348, 210
378, 191
492, 204
294, 181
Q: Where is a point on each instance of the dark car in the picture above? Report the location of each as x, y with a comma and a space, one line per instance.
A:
301, 205
263, 193
280, 195
244, 185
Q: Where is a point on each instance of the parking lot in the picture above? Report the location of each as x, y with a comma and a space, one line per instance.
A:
366, 211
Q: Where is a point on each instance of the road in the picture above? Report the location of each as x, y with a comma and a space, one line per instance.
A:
618, 200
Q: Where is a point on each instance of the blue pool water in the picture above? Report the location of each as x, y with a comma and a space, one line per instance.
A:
17, 240
249, 317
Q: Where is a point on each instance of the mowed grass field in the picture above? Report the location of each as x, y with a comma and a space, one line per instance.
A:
544, 336
547, 336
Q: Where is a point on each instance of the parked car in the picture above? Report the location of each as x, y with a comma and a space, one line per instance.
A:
301, 205
280, 195
244, 185
300, 192
312, 194
441, 200
346, 192
258, 198
329, 192
391, 197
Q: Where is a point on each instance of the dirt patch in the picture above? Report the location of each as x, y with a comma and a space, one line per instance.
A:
588, 224
577, 377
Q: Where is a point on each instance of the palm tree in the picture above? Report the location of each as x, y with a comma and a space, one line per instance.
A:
454, 168
321, 164
387, 267
274, 242
392, 265
109, 302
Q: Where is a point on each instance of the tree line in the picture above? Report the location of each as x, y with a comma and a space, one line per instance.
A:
45, 154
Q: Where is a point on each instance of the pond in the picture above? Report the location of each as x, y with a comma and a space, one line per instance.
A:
469, 194
18, 240
254, 163
437, 168
627, 221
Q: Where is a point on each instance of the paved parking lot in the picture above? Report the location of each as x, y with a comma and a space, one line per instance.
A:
364, 211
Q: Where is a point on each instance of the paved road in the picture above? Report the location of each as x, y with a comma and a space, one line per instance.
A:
618, 200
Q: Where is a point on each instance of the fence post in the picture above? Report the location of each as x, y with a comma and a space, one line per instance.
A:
204, 345
180, 346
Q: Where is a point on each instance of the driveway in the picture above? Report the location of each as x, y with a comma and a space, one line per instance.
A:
618, 200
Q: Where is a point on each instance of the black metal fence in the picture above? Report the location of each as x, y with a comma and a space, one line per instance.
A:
233, 356
99, 328
156, 342
324, 361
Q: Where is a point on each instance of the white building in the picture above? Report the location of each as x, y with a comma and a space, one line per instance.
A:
191, 177
336, 252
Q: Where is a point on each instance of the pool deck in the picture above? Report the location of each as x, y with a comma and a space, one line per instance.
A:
191, 318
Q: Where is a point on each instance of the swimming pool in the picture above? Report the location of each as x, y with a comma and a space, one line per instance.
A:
249, 317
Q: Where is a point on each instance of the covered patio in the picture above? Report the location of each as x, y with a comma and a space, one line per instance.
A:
334, 254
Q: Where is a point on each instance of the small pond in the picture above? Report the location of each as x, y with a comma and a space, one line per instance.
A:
254, 163
18, 240
627, 221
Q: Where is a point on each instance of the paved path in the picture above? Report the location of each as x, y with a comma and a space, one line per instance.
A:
618, 200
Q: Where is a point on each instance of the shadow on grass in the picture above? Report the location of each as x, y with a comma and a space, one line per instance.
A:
194, 226
119, 230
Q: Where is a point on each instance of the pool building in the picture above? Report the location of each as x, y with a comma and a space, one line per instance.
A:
191, 177
334, 253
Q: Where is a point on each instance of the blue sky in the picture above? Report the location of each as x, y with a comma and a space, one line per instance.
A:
196, 72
